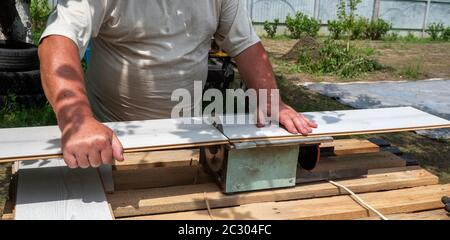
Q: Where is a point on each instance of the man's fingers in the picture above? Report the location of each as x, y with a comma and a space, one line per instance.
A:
82, 160
289, 125
310, 123
107, 156
117, 148
301, 125
95, 158
70, 160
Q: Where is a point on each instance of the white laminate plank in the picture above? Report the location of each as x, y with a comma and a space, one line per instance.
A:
45, 141
333, 123
49, 190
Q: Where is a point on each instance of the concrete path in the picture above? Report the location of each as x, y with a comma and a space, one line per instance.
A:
432, 96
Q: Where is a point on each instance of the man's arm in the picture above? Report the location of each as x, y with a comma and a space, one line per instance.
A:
255, 68
85, 141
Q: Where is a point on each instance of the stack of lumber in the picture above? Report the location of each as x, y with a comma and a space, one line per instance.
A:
181, 190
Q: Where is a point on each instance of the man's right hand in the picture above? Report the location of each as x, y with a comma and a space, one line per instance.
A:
88, 143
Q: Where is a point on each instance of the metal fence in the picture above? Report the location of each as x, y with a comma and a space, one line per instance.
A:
411, 15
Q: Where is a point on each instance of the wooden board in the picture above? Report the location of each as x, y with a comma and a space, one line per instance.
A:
136, 136
347, 122
351, 146
439, 214
160, 177
327, 208
50, 190
191, 197
168, 158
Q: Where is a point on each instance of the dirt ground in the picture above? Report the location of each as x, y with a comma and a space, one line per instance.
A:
403, 61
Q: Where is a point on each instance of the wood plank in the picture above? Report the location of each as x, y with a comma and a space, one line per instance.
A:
363, 160
191, 197
351, 146
349, 166
136, 136
172, 158
50, 190
341, 123
338, 207
159, 177
439, 214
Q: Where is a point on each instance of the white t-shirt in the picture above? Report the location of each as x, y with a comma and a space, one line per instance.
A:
142, 50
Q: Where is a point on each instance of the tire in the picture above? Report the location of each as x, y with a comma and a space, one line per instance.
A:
18, 56
20, 83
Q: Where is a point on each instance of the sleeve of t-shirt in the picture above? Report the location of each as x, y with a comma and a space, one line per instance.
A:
235, 31
78, 20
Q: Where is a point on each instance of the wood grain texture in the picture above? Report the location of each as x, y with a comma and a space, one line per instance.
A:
160, 177
347, 122
169, 158
351, 146
439, 214
327, 208
191, 197
49, 190
44, 142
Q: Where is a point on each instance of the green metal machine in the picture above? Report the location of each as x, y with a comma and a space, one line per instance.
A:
256, 165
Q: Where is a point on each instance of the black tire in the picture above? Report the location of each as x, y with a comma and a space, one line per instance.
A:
20, 83
18, 56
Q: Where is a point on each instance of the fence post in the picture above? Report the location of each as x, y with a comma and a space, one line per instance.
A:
376, 10
316, 9
425, 18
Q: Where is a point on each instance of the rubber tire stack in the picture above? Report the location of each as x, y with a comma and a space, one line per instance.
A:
19, 73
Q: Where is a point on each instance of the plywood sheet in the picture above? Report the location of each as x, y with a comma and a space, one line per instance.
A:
49, 190
44, 142
347, 122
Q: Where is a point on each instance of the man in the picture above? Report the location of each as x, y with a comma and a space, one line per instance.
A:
141, 51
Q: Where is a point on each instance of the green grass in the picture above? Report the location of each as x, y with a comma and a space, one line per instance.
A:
412, 71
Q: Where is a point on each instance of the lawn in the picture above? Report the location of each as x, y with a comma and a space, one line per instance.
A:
403, 60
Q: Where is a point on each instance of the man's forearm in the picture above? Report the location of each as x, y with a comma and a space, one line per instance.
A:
255, 68
63, 80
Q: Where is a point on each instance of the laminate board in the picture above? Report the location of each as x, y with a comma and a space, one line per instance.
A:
44, 142
346, 122
49, 190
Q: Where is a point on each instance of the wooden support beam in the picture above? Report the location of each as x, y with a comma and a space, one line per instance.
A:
439, 214
328, 208
171, 158
160, 177
191, 197
351, 146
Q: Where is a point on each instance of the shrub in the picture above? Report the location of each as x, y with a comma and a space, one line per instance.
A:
446, 34
358, 28
435, 30
336, 28
377, 29
334, 58
271, 27
301, 25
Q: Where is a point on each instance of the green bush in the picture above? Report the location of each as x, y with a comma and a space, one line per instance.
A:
39, 12
435, 30
336, 28
301, 25
358, 28
334, 58
377, 29
271, 27
446, 34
